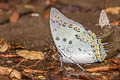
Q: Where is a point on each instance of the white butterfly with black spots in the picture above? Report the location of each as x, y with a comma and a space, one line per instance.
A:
103, 19
74, 43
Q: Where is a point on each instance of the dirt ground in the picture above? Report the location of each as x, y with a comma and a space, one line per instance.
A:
33, 33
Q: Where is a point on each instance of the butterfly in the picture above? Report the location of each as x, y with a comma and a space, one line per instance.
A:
103, 19
75, 44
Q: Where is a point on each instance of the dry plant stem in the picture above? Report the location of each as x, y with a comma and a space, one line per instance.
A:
17, 65
8, 55
34, 64
103, 68
33, 71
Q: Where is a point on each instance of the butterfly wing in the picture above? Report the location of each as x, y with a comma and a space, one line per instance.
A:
71, 39
57, 22
103, 19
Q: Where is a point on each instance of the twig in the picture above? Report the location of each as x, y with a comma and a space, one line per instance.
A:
34, 71
8, 55
103, 68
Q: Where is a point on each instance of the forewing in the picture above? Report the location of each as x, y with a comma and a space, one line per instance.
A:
58, 22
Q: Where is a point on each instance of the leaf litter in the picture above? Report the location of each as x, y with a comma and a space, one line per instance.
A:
48, 66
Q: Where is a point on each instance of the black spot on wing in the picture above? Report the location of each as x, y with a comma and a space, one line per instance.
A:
79, 49
64, 39
57, 38
70, 42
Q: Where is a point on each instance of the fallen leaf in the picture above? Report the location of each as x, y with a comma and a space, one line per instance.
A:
103, 68
113, 10
4, 6
35, 14
3, 46
14, 17
29, 7
116, 22
11, 72
32, 55
52, 2
41, 77
116, 60
104, 78
47, 13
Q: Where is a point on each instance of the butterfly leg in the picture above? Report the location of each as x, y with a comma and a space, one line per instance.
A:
80, 67
61, 63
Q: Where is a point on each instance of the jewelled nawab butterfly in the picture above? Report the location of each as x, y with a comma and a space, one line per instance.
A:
74, 43
103, 20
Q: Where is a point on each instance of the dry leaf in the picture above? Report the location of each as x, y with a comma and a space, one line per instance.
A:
113, 10
14, 17
3, 46
41, 77
4, 6
116, 60
52, 2
11, 72
47, 13
29, 7
116, 22
35, 14
103, 68
32, 55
